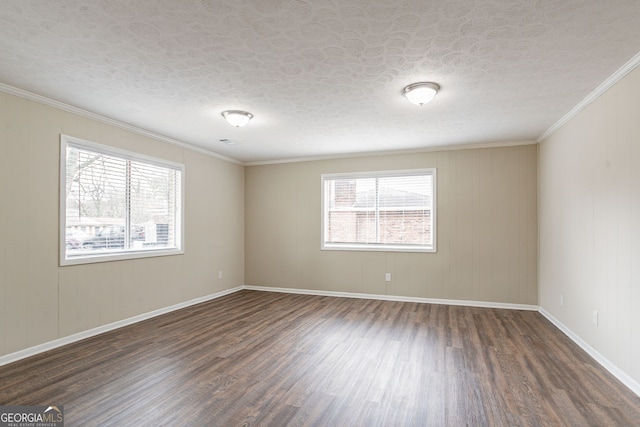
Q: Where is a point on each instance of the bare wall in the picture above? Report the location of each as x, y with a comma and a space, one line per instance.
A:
40, 301
487, 229
590, 224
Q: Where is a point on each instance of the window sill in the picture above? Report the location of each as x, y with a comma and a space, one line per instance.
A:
118, 256
376, 248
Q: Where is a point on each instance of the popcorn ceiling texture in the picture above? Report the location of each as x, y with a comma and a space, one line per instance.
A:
321, 77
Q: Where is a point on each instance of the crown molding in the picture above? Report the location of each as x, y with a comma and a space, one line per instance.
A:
628, 67
395, 152
632, 64
106, 120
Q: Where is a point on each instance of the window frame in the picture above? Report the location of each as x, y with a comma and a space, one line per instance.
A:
385, 247
70, 141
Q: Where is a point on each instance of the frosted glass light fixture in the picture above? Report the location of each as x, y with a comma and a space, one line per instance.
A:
421, 93
237, 118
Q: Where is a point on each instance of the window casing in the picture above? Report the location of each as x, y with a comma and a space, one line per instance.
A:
380, 211
115, 204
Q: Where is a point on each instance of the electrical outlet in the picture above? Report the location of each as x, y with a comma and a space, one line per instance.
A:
561, 300
594, 317
220, 274
387, 277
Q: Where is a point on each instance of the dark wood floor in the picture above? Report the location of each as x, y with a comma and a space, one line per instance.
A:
259, 358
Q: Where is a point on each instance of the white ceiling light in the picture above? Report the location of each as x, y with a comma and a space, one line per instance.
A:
237, 118
421, 93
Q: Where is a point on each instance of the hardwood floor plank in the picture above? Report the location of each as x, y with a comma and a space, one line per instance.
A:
267, 359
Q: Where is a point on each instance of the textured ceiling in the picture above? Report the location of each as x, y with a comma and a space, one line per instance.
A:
321, 77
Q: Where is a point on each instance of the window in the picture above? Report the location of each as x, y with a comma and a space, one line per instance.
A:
390, 211
115, 204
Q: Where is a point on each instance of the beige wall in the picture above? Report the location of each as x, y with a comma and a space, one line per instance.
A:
40, 301
487, 229
590, 224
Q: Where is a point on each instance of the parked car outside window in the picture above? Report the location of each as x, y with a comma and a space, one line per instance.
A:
74, 238
112, 237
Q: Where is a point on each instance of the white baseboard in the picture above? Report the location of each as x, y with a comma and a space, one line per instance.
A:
603, 361
632, 384
483, 304
40, 348
31, 351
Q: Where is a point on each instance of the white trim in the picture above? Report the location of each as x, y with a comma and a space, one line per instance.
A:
605, 86
375, 247
380, 247
67, 141
603, 361
88, 114
32, 351
109, 150
103, 119
482, 304
431, 149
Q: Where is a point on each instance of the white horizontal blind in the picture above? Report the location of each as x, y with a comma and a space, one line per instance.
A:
118, 203
379, 210
153, 199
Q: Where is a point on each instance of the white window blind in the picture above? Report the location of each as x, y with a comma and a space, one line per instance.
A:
389, 210
117, 204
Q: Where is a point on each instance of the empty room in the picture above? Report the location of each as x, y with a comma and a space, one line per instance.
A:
319, 213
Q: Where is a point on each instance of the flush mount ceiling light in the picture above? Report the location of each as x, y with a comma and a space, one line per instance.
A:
237, 118
421, 93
